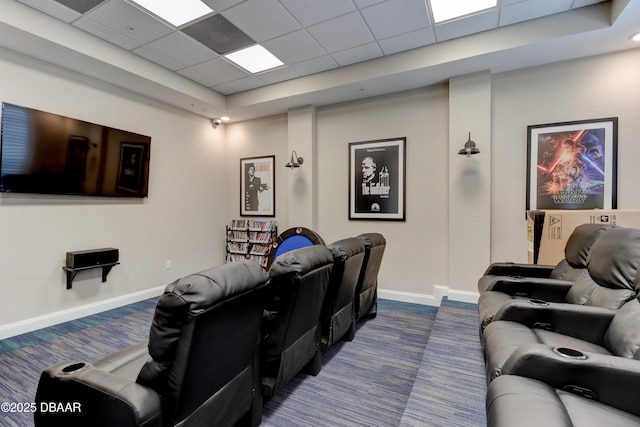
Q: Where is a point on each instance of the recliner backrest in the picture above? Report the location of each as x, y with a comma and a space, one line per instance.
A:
612, 265
338, 311
204, 337
374, 244
298, 284
576, 251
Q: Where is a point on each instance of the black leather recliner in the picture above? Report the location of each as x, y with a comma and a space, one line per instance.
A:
199, 367
367, 289
298, 284
583, 328
338, 311
504, 276
611, 256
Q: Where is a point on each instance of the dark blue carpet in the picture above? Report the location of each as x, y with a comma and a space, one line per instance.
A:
370, 381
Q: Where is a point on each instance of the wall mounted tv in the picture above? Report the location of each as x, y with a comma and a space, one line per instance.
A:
50, 154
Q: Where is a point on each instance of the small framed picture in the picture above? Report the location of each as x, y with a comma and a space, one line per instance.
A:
130, 171
257, 186
377, 178
572, 165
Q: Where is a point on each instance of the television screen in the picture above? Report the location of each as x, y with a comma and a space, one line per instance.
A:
51, 154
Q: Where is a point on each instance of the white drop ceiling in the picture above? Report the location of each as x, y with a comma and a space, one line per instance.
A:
333, 50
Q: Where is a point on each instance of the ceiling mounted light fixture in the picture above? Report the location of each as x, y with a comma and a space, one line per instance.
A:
254, 59
443, 10
175, 12
469, 148
295, 161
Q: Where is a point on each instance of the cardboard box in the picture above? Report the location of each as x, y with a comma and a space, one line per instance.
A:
558, 225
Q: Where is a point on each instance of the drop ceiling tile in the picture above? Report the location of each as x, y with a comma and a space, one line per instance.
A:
309, 12
531, 9
366, 3
294, 47
278, 75
80, 6
358, 54
53, 8
182, 49
262, 19
315, 65
479, 22
342, 33
223, 89
159, 58
412, 40
396, 17
220, 70
217, 33
129, 21
246, 83
221, 5
197, 76
106, 33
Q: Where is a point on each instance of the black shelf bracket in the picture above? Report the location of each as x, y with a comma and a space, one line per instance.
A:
71, 272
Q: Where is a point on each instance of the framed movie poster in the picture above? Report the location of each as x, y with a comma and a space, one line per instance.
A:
572, 165
257, 186
377, 179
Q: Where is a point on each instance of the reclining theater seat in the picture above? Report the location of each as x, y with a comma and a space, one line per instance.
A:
529, 402
569, 268
200, 366
291, 343
367, 289
583, 328
597, 285
338, 311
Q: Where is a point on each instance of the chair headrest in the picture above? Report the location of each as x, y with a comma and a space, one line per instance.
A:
203, 289
346, 248
372, 239
577, 249
615, 257
301, 261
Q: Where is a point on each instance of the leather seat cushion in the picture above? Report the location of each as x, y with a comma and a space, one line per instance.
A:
501, 338
524, 402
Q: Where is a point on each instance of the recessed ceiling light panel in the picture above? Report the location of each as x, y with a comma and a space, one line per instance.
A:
254, 59
175, 12
443, 10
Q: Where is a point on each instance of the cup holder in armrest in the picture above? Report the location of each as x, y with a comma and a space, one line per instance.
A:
74, 367
570, 353
536, 301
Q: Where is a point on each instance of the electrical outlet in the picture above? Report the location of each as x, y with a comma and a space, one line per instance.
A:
167, 264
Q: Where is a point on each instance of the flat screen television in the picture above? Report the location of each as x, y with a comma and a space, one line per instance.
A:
51, 154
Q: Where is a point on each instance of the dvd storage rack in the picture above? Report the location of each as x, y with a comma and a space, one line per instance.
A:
250, 239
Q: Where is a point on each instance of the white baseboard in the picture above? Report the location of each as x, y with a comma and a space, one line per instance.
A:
47, 320
439, 292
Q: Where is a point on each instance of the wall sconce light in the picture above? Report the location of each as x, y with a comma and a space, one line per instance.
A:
295, 161
469, 148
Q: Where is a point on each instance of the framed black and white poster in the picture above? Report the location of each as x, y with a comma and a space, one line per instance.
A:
377, 179
257, 186
572, 165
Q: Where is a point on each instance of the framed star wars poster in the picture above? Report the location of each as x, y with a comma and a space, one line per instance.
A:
377, 178
572, 165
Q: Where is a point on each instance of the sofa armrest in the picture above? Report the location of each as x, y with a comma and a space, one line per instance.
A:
519, 269
79, 394
611, 380
552, 290
565, 319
